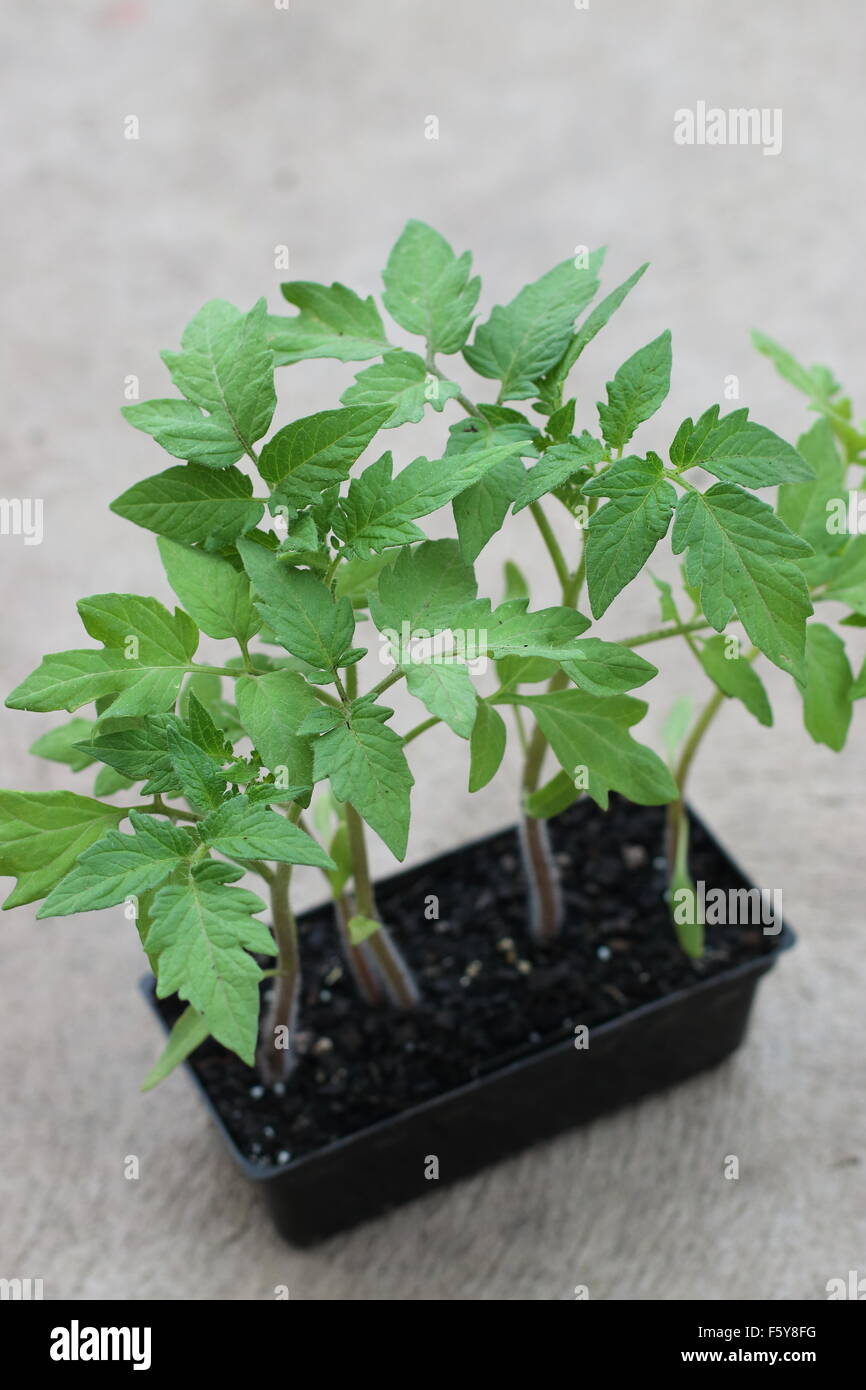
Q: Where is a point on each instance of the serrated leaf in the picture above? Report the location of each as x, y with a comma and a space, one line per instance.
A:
201, 932
333, 322
486, 745
524, 339
193, 505
61, 745
593, 732
140, 754
108, 781
183, 430
312, 454
511, 630
637, 391
827, 687
215, 594
743, 559
204, 731
423, 589
738, 450
367, 767
300, 610
803, 506
736, 678
380, 512
445, 689
606, 668
68, 680
272, 707
242, 830
622, 535
42, 835
480, 510
557, 465
121, 866
188, 1033
430, 291
226, 367
142, 628
202, 779
552, 384
399, 384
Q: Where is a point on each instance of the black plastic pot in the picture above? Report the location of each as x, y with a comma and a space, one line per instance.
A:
558, 1087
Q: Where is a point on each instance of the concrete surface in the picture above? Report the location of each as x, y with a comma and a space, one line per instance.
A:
260, 127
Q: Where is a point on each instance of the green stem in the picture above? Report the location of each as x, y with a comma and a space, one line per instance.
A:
401, 988
275, 1056
421, 729
563, 573
660, 633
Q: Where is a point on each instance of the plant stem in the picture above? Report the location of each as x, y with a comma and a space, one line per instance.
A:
401, 988
277, 1061
362, 966
421, 728
676, 821
659, 634
563, 573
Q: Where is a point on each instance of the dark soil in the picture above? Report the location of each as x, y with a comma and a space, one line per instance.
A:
489, 995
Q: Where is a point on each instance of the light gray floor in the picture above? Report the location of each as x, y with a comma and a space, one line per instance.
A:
260, 127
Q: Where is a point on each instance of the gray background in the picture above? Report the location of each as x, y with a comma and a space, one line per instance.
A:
260, 127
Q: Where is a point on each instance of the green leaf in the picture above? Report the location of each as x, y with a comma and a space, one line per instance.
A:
61, 745
736, 677
553, 798
606, 668
121, 866
201, 933
803, 506
362, 928
333, 322
42, 835
738, 450
428, 290
510, 630
300, 610
826, 687
68, 680
551, 386
142, 628
786, 365
141, 754
215, 594
183, 430
401, 386
480, 510
367, 767
312, 454
188, 1033
592, 732
637, 391
676, 725
108, 781
486, 745
622, 535
227, 368
193, 505
445, 689
204, 731
423, 589
272, 707
524, 339
242, 830
201, 778
559, 464
380, 512
743, 559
